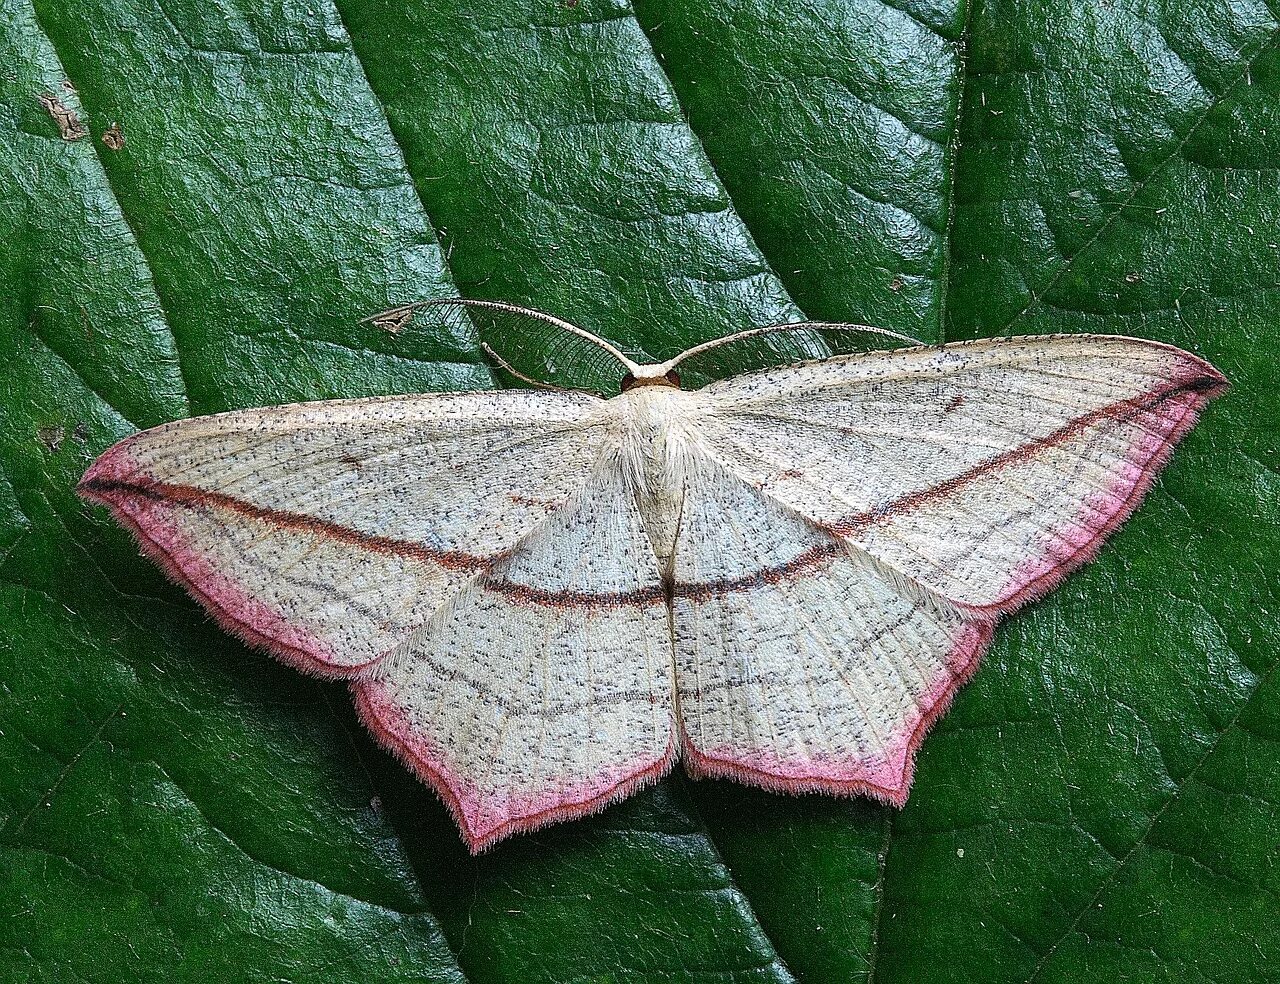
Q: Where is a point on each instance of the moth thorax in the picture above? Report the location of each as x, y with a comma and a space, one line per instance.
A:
655, 452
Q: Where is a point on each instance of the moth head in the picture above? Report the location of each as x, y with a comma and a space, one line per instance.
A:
650, 375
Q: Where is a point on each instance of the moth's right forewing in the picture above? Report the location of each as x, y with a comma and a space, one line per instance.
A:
853, 528
982, 471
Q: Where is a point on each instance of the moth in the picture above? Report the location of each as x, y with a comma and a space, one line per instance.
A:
542, 600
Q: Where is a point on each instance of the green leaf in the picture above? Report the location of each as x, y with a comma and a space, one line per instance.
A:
1100, 804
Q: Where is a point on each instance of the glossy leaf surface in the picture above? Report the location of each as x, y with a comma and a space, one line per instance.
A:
1100, 804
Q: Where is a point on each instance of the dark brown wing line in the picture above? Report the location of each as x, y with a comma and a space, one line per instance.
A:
1122, 412
817, 556
193, 497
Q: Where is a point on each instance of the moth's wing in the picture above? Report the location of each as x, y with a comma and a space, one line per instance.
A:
543, 690
800, 663
982, 471
851, 529
328, 532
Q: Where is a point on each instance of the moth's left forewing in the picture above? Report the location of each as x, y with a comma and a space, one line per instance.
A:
328, 532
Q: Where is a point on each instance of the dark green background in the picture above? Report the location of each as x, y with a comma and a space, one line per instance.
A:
1100, 805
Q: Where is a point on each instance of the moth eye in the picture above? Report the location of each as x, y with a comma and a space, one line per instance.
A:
629, 381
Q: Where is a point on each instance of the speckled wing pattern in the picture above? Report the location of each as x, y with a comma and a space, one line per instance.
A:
542, 689
861, 523
328, 532
543, 600
802, 664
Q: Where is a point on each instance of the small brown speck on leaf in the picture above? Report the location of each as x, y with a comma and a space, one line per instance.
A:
571, 3
895, 284
80, 433
52, 437
1132, 277
113, 138
69, 125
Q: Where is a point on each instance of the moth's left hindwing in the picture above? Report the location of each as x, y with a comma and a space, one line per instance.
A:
543, 689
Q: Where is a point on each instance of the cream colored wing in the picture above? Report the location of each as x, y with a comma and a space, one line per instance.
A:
328, 532
983, 471
801, 664
543, 690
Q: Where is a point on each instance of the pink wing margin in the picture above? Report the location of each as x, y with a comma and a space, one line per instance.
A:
482, 825
885, 779
149, 509
1172, 411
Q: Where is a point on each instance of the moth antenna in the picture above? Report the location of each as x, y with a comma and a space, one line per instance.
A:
596, 340
787, 326
507, 367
